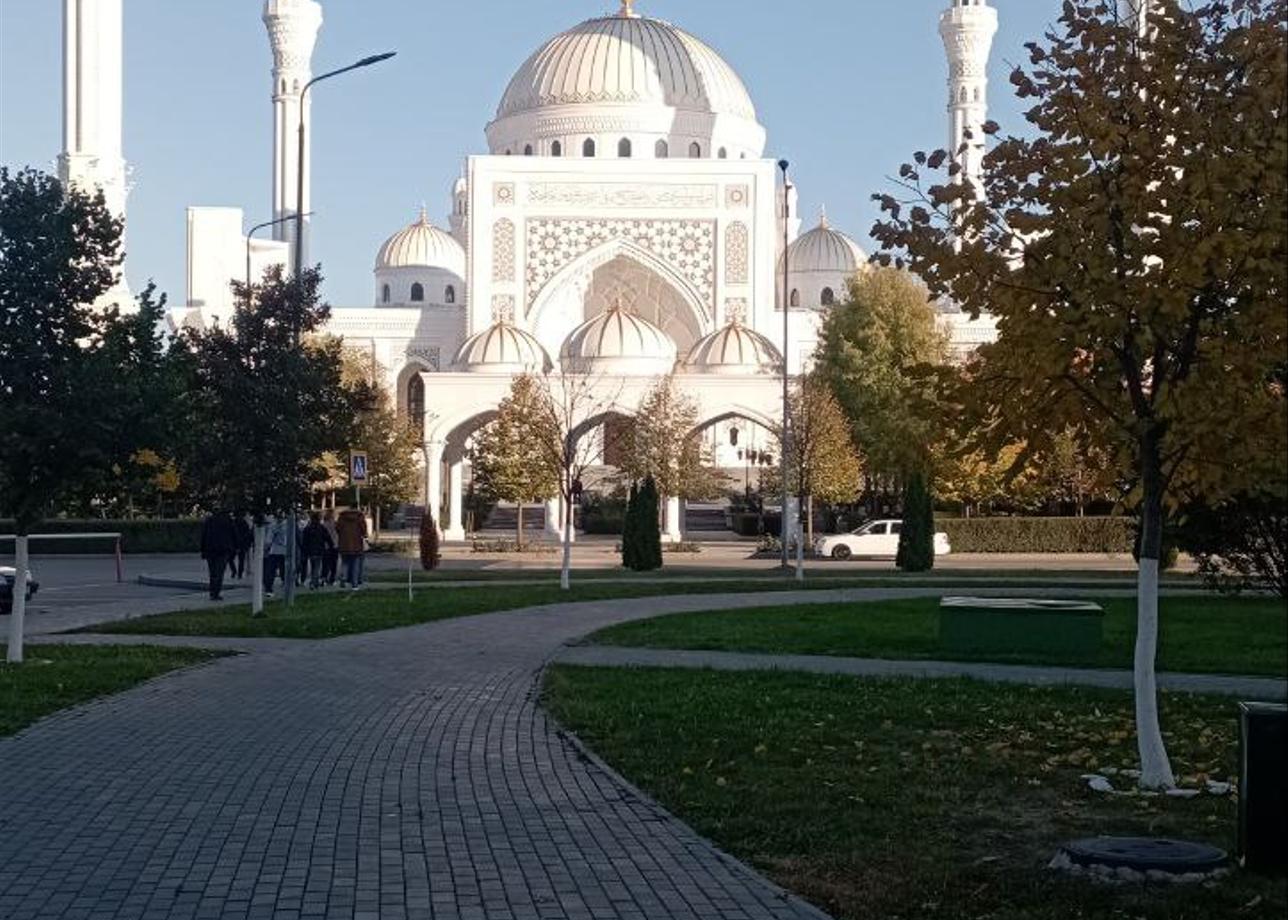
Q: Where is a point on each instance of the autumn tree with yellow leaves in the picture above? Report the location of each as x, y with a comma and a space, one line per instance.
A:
1132, 248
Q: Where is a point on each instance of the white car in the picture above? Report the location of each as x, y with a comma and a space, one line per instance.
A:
875, 538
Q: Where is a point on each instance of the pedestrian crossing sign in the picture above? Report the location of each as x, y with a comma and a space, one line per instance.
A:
358, 468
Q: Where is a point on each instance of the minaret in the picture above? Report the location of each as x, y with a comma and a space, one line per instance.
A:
292, 31
967, 28
92, 92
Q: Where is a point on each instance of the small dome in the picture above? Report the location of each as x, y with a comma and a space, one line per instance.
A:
735, 349
825, 250
502, 348
422, 245
617, 342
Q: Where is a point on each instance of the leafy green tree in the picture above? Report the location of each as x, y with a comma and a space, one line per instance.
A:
878, 352
917, 536
511, 463
1132, 246
265, 399
664, 445
67, 412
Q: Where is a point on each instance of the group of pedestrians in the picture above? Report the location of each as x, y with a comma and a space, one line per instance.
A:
328, 548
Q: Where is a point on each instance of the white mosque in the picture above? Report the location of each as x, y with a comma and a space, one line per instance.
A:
624, 224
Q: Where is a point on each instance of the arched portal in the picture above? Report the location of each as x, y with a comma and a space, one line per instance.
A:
619, 272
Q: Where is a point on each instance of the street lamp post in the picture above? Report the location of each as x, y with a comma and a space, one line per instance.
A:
258, 227
787, 433
292, 525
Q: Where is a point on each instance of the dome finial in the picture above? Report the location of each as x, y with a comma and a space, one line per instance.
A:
628, 9
822, 217
424, 214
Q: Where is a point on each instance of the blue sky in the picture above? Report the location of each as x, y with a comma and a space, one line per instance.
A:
846, 88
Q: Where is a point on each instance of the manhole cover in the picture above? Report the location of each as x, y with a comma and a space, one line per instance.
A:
1145, 855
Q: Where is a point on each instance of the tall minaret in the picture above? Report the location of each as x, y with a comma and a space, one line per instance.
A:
92, 92
967, 28
292, 31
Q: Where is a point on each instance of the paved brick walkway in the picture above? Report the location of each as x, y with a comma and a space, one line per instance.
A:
399, 774
1259, 688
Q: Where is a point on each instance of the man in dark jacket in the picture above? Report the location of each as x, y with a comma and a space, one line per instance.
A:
218, 543
315, 541
245, 540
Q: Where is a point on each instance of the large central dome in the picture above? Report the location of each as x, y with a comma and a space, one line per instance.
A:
626, 78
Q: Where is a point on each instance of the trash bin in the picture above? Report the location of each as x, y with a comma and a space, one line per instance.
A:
1263, 776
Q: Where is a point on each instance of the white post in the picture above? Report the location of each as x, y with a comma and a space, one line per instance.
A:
565, 569
554, 517
455, 529
257, 573
19, 613
674, 533
798, 529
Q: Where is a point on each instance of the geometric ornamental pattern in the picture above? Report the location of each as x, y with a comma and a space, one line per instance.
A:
503, 250
736, 310
429, 355
686, 246
502, 308
737, 252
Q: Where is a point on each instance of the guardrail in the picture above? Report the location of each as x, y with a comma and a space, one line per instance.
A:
114, 537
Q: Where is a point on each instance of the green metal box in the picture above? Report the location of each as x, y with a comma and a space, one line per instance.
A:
1009, 625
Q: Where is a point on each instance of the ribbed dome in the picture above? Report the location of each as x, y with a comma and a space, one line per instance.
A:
422, 245
627, 59
735, 349
617, 342
502, 348
825, 250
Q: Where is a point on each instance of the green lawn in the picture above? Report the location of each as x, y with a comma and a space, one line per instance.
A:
914, 799
1208, 633
54, 677
325, 616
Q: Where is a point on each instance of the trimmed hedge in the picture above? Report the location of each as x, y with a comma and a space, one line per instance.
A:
140, 536
1039, 535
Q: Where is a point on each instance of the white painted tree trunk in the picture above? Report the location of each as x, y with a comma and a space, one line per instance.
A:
257, 573
1155, 769
19, 613
565, 570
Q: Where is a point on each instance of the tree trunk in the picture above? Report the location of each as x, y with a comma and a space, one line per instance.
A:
257, 572
518, 516
565, 571
19, 613
809, 520
1155, 769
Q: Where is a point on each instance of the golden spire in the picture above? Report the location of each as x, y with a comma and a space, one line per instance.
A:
628, 9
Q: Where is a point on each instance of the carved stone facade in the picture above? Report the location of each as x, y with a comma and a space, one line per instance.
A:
736, 310
429, 355
622, 195
503, 250
737, 253
686, 246
502, 308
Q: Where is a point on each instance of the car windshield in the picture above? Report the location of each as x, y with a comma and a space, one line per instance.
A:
869, 527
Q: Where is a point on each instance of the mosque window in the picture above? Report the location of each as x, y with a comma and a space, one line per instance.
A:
795, 299
527, 150
723, 154
661, 150
449, 295
385, 294
556, 149
624, 148
417, 293
416, 403
695, 150
588, 148
828, 297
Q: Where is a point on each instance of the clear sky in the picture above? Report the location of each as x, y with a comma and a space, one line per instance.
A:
846, 88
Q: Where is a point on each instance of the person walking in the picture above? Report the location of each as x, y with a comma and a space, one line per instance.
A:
245, 538
315, 541
275, 554
218, 544
331, 558
352, 528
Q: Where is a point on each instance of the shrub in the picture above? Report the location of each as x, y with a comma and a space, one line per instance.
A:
137, 536
917, 537
1040, 535
605, 515
1241, 543
429, 549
